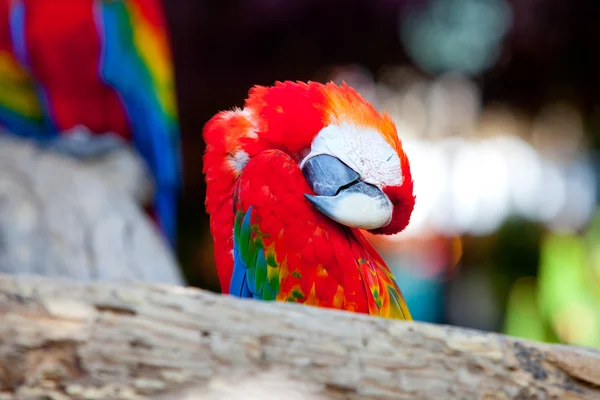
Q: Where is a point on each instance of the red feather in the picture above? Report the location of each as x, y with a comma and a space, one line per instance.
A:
64, 59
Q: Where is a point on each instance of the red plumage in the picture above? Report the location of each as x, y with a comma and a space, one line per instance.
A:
251, 160
65, 62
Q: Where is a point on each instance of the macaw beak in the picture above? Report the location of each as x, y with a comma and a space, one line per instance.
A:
343, 197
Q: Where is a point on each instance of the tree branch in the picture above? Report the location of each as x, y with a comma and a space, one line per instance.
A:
63, 340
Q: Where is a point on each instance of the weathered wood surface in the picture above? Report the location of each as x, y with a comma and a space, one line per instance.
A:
61, 340
82, 220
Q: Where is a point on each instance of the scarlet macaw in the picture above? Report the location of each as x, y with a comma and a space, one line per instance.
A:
85, 76
291, 179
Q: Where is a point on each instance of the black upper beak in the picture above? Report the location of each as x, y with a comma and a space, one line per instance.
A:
343, 197
327, 175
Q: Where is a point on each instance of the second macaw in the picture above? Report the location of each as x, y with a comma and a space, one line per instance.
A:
84, 77
292, 178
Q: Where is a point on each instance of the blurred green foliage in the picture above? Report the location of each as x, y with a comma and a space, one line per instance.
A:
563, 303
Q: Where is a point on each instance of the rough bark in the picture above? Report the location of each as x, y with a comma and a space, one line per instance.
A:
82, 220
60, 340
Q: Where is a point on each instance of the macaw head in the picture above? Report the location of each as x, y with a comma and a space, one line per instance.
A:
349, 153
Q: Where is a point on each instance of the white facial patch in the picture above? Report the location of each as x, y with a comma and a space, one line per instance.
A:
362, 149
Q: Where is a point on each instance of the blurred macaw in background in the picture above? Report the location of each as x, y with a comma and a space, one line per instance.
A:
291, 180
86, 76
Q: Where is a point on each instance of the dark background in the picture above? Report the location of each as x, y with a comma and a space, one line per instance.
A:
551, 52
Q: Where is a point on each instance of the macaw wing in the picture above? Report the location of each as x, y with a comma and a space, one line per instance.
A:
252, 275
136, 63
386, 299
276, 233
256, 272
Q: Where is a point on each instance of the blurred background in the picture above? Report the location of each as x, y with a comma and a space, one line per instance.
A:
497, 104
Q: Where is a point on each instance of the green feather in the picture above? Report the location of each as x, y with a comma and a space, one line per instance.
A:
394, 298
262, 269
244, 236
260, 272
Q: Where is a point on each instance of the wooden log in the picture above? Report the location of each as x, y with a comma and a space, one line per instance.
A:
66, 340
83, 220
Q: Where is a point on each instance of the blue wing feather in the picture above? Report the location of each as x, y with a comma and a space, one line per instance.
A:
239, 286
249, 261
241, 237
155, 134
